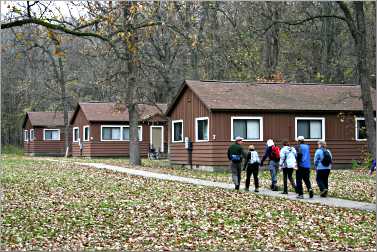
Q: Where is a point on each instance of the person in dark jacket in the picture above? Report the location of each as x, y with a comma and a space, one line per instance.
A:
252, 167
273, 164
303, 168
235, 155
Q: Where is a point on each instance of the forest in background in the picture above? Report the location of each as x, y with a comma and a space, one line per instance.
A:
174, 41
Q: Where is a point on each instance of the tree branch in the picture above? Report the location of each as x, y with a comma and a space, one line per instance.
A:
51, 26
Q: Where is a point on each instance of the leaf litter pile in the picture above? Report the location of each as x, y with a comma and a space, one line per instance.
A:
61, 206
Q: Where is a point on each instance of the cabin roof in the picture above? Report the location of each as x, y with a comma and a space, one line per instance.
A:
46, 119
113, 112
228, 95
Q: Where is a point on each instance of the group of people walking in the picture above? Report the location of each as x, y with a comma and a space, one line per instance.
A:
288, 159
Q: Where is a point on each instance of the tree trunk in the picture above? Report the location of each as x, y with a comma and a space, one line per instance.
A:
65, 105
131, 99
361, 48
271, 47
134, 136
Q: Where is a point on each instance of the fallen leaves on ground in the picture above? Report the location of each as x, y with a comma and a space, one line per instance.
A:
62, 206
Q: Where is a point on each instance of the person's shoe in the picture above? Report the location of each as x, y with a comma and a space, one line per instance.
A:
275, 188
246, 189
300, 197
295, 187
256, 190
237, 187
311, 193
284, 193
272, 187
324, 193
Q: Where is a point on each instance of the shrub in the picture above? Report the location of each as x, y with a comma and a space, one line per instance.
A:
12, 149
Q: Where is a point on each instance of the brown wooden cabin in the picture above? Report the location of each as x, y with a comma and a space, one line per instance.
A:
103, 130
43, 133
212, 113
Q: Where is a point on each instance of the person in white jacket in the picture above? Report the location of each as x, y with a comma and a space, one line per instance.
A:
288, 163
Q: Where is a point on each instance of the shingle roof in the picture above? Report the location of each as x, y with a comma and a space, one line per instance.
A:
108, 111
217, 95
47, 119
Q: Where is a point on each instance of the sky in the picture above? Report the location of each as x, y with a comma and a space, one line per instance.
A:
54, 5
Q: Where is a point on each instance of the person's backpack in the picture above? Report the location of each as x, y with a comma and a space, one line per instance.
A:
290, 159
275, 153
327, 159
254, 158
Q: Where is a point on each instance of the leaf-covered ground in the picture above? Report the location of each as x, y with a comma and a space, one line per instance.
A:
353, 184
62, 206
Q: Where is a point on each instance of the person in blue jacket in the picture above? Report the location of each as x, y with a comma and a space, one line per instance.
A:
303, 168
372, 167
322, 165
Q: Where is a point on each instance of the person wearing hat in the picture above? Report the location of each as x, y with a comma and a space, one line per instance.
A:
272, 152
235, 155
252, 167
303, 167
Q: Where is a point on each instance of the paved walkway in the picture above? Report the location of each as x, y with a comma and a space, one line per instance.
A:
333, 202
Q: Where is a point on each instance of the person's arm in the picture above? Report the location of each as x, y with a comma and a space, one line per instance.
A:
317, 158
229, 154
248, 157
266, 154
282, 157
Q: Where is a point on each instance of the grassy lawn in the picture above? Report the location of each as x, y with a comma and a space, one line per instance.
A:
62, 206
353, 184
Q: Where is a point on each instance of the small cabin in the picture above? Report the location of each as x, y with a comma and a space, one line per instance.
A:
43, 133
210, 114
101, 129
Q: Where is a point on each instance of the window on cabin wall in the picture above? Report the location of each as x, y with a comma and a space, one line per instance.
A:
202, 129
361, 129
31, 134
76, 134
249, 128
111, 133
310, 128
86, 133
51, 134
177, 131
26, 136
126, 133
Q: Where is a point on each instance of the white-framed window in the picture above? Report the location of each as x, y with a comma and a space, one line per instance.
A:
250, 128
361, 129
126, 133
118, 133
201, 129
85, 133
31, 135
26, 136
51, 134
75, 134
177, 131
311, 128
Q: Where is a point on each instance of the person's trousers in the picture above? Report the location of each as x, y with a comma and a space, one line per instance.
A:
287, 174
252, 169
303, 174
323, 179
273, 167
236, 173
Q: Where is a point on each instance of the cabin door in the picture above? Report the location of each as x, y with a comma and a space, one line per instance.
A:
157, 138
